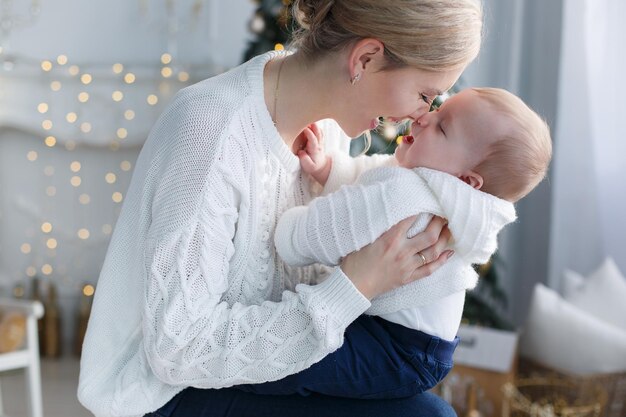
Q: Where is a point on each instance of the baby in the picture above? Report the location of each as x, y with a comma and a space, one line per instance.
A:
467, 162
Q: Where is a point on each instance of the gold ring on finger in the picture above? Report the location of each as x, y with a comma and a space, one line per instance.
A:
424, 261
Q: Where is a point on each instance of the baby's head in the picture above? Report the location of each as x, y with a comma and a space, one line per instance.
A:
487, 137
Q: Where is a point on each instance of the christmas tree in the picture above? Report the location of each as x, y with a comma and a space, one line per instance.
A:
271, 23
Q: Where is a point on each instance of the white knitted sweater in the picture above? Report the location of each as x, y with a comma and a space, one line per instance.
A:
191, 292
341, 222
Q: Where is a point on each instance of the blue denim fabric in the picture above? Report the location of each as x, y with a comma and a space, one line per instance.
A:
168, 409
381, 370
231, 402
378, 360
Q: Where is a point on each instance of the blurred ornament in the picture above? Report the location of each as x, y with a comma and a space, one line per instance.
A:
52, 325
257, 24
36, 295
82, 317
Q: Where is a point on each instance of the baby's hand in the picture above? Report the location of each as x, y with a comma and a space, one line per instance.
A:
313, 159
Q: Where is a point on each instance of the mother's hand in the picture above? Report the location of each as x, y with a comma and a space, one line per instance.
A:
394, 260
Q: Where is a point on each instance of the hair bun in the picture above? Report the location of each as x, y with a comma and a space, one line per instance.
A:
311, 13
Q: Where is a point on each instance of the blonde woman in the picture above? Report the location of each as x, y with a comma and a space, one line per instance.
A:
192, 299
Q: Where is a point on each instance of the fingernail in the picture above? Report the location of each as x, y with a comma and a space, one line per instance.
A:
450, 254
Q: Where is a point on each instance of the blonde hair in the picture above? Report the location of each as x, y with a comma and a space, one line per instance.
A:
431, 35
518, 159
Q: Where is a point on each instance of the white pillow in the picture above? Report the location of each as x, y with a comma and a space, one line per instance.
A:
566, 338
572, 282
603, 293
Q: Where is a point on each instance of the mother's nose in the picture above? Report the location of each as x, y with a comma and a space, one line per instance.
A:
420, 111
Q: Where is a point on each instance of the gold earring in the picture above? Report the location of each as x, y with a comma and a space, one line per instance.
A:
356, 78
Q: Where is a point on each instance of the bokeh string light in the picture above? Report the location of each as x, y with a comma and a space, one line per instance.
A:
85, 84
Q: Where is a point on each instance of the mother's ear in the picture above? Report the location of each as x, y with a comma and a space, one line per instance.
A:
366, 55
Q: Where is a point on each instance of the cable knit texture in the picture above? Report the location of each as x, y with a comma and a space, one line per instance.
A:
335, 224
191, 292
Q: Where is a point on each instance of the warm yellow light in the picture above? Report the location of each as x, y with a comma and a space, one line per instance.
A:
71, 117
83, 234
107, 229
117, 95
84, 199
51, 243
166, 72
49, 170
117, 197
70, 145
31, 271
165, 87
129, 115
122, 133
18, 290
76, 180
51, 191
118, 68
114, 146
46, 124
32, 156
46, 65
166, 58
50, 141
75, 166
83, 97
46, 227
42, 108
125, 165
88, 290
110, 178
73, 70
183, 76
129, 78
25, 248
85, 127
86, 79
46, 269
62, 59
152, 99
55, 85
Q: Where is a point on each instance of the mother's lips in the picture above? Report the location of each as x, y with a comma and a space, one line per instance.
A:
408, 139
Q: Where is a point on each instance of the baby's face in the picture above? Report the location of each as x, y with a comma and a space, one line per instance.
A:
454, 138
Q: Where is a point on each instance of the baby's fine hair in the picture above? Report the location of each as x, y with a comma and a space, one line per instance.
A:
517, 160
431, 35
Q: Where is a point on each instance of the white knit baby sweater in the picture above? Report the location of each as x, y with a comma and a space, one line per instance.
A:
341, 222
191, 292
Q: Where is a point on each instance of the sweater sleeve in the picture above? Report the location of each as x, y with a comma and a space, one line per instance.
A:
192, 337
333, 226
346, 169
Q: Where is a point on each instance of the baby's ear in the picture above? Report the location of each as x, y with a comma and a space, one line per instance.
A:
472, 178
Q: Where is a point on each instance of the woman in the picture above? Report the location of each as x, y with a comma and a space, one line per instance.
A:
191, 293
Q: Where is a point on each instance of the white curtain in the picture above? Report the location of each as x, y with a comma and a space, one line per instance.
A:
589, 171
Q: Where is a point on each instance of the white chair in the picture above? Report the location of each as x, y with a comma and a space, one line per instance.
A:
28, 356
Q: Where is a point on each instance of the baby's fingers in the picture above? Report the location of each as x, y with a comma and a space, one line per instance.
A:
312, 143
319, 134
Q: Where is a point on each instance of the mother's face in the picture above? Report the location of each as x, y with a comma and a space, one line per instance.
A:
396, 94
